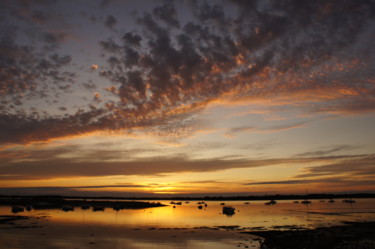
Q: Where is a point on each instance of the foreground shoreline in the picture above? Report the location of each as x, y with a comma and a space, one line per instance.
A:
350, 235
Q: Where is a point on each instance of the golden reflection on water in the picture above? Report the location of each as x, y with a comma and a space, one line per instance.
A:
255, 214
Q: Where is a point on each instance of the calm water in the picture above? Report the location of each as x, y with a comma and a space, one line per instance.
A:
184, 226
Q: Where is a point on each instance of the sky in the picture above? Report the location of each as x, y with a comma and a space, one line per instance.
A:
187, 98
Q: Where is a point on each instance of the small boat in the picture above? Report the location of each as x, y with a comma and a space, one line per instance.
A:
295, 201
331, 201
200, 207
16, 209
305, 202
247, 203
85, 207
271, 202
67, 208
176, 203
228, 210
348, 201
222, 203
95, 209
117, 208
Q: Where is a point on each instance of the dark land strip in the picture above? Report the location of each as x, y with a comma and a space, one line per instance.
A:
352, 235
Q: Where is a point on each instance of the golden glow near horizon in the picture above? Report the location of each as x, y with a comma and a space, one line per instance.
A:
203, 162
166, 99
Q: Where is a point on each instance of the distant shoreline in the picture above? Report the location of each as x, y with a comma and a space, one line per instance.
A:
207, 198
68, 204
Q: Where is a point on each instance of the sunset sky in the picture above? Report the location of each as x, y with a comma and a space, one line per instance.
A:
144, 98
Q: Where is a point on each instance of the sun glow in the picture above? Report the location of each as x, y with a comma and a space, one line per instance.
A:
162, 188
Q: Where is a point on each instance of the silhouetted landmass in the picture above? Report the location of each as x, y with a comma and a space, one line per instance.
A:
280, 197
72, 200
67, 203
355, 235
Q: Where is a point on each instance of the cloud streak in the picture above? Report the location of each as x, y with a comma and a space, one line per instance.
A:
248, 129
70, 162
337, 180
334, 149
360, 167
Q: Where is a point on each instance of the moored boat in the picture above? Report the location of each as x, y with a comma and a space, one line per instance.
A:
95, 209
348, 201
271, 202
228, 210
16, 209
67, 208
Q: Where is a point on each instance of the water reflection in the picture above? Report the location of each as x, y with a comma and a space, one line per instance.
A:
212, 213
62, 235
178, 225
